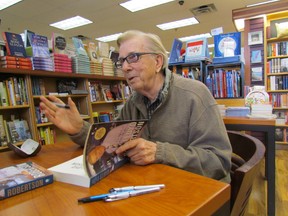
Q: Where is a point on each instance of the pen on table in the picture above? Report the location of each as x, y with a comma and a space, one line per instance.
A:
127, 194
93, 198
129, 188
60, 105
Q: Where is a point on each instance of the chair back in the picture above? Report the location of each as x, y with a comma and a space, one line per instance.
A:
247, 154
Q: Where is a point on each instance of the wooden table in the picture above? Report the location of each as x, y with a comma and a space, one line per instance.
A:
267, 126
185, 193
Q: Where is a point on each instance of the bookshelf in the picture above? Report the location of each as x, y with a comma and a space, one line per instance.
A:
49, 82
197, 67
276, 73
225, 81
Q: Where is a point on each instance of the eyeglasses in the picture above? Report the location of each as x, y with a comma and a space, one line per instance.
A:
131, 58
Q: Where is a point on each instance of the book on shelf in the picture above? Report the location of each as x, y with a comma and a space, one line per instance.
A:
99, 158
20, 178
58, 43
175, 52
14, 44
196, 49
28, 37
3, 94
227, 45
3, 135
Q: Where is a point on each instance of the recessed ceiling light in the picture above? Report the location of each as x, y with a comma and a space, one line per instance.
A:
261, 3
206, 35
70, 23
178, 23
136, 5
108, 38
7, 3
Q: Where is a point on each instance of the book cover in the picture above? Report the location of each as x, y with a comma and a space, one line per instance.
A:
23, 177
175, 52
227, 44
196, 49
28, 37
14, 44
39, 46
99, 158
58, 43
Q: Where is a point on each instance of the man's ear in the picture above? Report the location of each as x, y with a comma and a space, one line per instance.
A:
159, 62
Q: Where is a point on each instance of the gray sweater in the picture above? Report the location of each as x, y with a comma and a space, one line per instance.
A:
187, 128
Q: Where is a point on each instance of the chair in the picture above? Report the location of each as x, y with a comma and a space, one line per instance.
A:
247, 154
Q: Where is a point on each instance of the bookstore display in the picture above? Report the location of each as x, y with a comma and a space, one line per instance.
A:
23, 177
277, 74
31, 68
99, 158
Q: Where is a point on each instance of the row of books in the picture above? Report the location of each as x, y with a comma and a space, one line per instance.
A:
224, 83
279, 100
102, 92
13, 91
13, 131
76, 57
277, 49
278, 83
47, 135
277, 65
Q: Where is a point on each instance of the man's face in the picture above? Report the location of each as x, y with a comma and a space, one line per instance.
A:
140, 75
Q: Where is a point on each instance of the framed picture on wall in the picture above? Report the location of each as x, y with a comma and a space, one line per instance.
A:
256, 56
255, 38
257, 74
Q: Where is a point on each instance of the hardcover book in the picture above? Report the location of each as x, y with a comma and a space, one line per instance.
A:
99, 158
226, 45
21, 178
175, 51
14, 44
196, 49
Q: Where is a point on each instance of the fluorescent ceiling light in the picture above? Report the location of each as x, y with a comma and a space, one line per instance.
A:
178, 24
261, 3
136, 5
7, 3
206, 35
70, 23
109, 37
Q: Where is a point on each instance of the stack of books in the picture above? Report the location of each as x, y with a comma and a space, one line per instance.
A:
62, 63
262, 111
39, 52
95, 63
15, 51
15, 62
80, 62
108, 67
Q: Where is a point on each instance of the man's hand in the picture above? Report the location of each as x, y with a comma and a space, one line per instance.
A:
140, 151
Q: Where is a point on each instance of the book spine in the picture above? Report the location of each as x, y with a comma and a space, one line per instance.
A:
28, 186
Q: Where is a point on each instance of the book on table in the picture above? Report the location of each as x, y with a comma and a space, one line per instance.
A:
20, 178
99, 158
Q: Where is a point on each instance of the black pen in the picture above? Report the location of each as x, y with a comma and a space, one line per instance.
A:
60, 105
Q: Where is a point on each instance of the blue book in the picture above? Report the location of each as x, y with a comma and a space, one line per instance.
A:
224, 44
20, 178
14, 44
40, 47
175, 51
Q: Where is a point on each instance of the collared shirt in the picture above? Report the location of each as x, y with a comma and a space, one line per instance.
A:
152, 106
